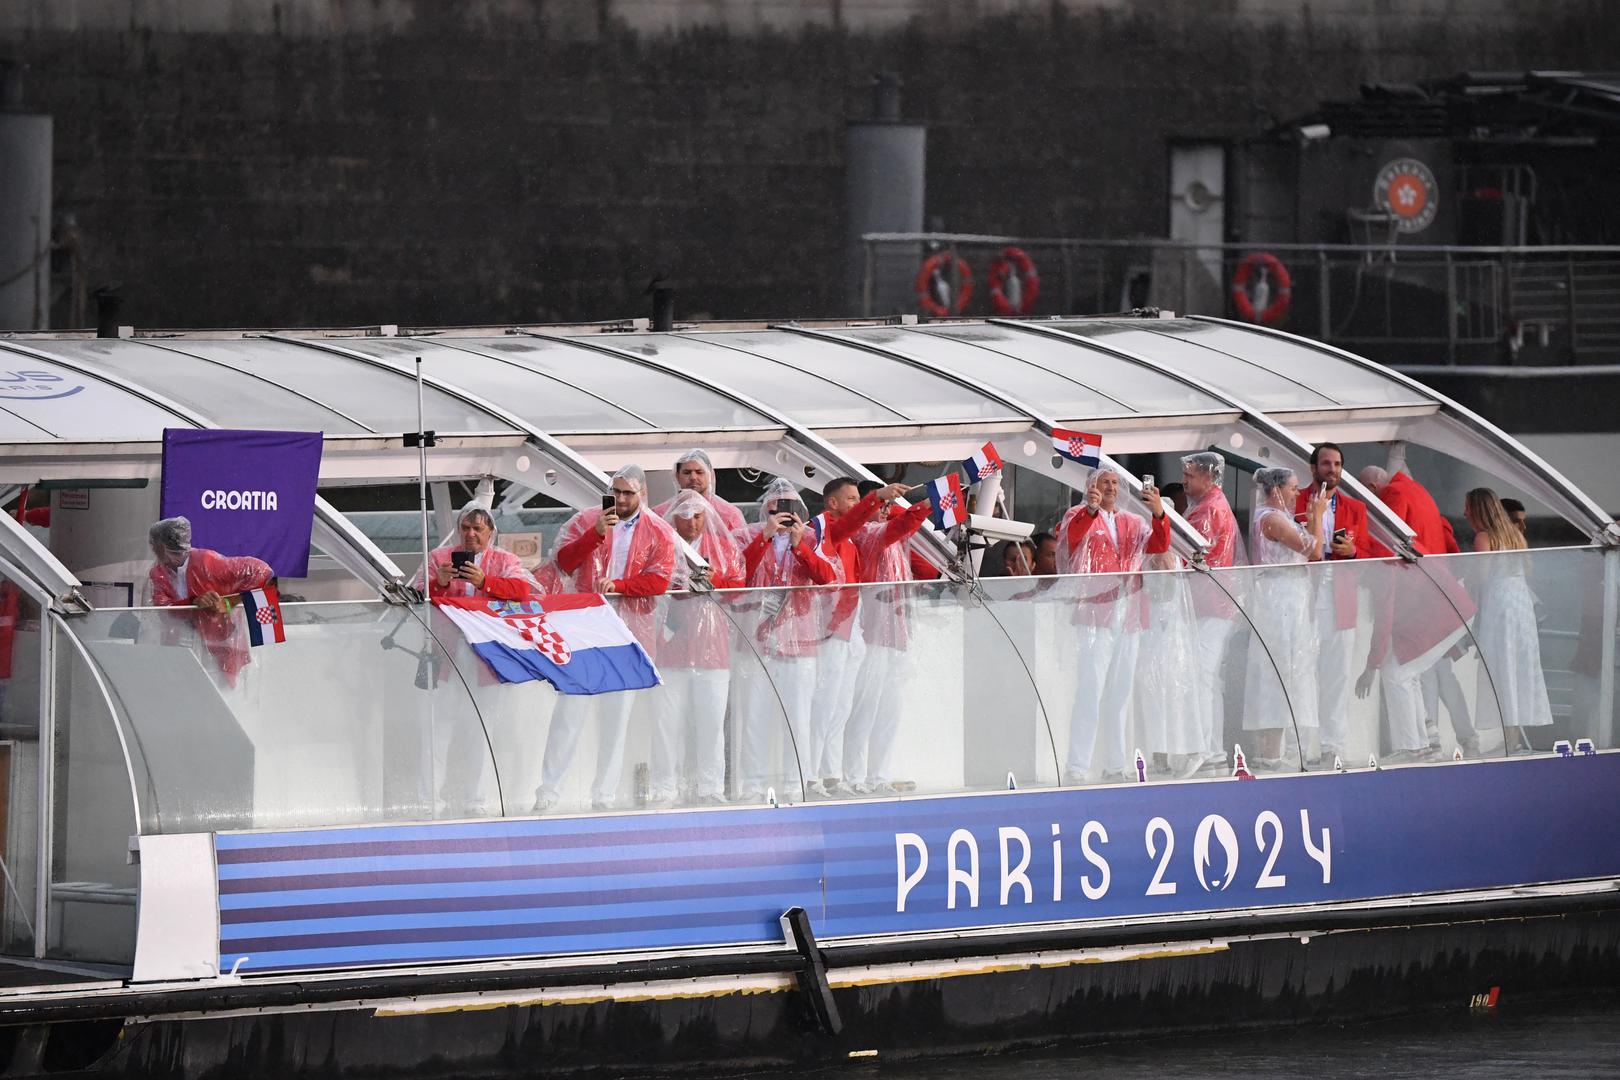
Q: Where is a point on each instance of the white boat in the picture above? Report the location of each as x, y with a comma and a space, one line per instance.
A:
333, 858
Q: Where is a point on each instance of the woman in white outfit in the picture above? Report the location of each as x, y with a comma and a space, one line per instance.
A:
1505, 628
1169, 690
1281, 610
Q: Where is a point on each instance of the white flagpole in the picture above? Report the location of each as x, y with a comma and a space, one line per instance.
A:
989, 495
422, 489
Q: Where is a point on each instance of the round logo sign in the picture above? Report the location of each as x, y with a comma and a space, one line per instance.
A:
37, 385
1406, 189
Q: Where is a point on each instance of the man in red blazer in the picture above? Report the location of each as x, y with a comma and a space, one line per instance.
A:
1345, 522
1432, 535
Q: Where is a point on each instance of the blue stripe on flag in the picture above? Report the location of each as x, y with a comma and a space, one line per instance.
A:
255, 628
600, 670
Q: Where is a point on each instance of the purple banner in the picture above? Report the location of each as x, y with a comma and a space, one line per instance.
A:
245, 492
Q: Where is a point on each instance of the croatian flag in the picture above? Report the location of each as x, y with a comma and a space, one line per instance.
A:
1078, 446
950, 508
984, 462
574, 641
263, 608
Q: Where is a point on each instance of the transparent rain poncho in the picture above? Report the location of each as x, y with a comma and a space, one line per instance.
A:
728, 516
716, 543
504, 575
789, 621
1167, 685
1086, 546
585, 559
1279, 604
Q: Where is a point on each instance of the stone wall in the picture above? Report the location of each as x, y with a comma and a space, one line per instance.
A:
492, 162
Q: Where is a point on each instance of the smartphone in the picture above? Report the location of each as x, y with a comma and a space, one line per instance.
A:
607, 503
458, 559
1147, 480
1340, 534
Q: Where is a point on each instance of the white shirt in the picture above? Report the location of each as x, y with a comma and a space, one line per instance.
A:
621, 546
1328, 515
1108, 522
780, 543
177, 579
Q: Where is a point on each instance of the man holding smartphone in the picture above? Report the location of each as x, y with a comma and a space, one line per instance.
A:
781, 554
1344, 521
616, 550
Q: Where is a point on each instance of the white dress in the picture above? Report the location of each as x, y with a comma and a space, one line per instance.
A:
1280, 605
1510, 646
1168, 693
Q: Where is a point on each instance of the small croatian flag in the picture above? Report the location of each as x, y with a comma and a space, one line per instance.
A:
950, 508
985, 462
1078, 446
263, 610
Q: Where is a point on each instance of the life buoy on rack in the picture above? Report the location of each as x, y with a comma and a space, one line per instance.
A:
1272, 292
1014, 282
934, 287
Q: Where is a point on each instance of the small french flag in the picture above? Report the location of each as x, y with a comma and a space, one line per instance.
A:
263, 609
984, 462
950, 508
1081, 446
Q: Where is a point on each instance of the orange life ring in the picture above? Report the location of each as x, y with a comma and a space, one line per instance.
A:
1283, 285
933, 266
1002, 267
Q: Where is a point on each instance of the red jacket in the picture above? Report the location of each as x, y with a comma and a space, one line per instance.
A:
1415, 608
1415, 506
837, 549
1348, 513
1094, 551
794, 628
225, 636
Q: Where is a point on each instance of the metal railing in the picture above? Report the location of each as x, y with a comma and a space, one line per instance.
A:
1399, 304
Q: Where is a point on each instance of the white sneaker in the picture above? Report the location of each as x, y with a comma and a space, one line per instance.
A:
544, 801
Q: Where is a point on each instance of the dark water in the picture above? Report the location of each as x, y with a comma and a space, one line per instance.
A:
1579, 1039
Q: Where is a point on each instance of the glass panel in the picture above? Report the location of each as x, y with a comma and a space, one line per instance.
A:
1025, 380
1141, 388
1255, 385
357, 717
1368, 651
1156, 662
547, 402
801, 395
900, 387
92, 880
19, 766
378, 399
1344, 382
667, 400
224, 395
68, 405
1539, 629
881, 681
714, 733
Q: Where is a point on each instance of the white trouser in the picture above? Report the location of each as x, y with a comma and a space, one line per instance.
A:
874, 718
789, 689
1333, 648
689, 728
568, 719
838, 668
1106, 663
1439, 685
1213, 637
1403, 704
